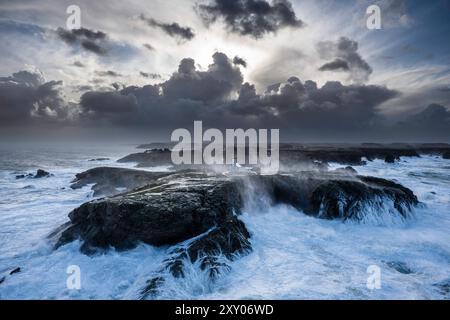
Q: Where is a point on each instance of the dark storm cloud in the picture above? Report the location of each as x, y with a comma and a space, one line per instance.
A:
345, 52
253, 18
337, 64
172, 29
93, 41
434, 118
217, 83
25, 96
219, 97
239, 61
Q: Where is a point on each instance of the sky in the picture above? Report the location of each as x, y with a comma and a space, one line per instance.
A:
144, 68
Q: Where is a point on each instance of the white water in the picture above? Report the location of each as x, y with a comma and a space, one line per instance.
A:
294, 256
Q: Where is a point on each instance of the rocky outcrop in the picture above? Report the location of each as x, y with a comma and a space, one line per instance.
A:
212, 250
180, 206
170, 210
110, 181
355, 200
149, 158
198, 213
39, 174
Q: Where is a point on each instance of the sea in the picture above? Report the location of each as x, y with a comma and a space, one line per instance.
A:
294, 256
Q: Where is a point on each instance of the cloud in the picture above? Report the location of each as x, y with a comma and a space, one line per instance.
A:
108, 73
172, 29
78, 64
150, 75
93, 41
337, 64
239, 61
26, 96
254, 18
216, 84
344, 53
434, 118
148, 46
220, 98
394, 13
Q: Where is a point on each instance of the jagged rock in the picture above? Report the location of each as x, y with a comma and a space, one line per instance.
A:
400, 267
42, 174
15, 270
168, 211
443, 287
198, 213
389, 158
39, 174
229, 240
23, 176
352, 199
110, 181
150, 158
346, 171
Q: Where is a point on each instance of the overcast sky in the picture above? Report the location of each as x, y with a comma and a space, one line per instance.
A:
308, 67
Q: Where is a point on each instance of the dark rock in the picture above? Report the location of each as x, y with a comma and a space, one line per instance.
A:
23, 176
42, 174
108, 180
16, 270
150, 158
389, 158
179, 206
346, 171
167, 211
2, 279
443, 287
400, 267
231, 239
446, 155
346, 199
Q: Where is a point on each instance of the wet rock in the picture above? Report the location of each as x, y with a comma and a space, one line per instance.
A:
150, 158
389, 158
169, 210
229, 240
2, 279
23, 176
346, 171
42, 174
400, 267
39, 174
443, 287
15, 270
109, 181
446, 155
346, 199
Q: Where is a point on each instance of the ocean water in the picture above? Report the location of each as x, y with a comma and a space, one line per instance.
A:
294, 256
